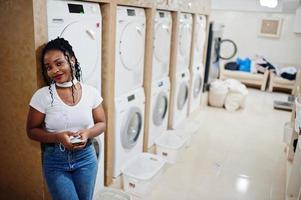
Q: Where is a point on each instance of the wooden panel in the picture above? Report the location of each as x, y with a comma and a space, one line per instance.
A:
148, 60
20, 171
108, 83
173, 64
136, 3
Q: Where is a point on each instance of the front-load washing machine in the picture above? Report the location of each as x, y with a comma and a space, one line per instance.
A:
195, 89
80, 24
180, 99
129, 126
158, 109
199, 41
162, 40
98, 143
129, 54
184, 42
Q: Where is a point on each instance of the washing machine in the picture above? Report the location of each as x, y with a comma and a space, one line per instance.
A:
98, 143
180, 98
158, 109
184, 42
199, 41
195, 89
162, 40
80, 24
129, 127
130, 44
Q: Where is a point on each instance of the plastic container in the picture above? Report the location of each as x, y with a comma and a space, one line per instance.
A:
142, 173
217, 93
169, 145
287, 132
112, 194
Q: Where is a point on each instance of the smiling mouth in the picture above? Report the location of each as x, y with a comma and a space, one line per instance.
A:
58, 76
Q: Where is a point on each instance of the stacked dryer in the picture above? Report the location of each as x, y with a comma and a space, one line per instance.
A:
160, 79
129, 93
180, 97
197, 66
80, 24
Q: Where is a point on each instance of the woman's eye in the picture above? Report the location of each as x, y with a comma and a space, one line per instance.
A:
48, 68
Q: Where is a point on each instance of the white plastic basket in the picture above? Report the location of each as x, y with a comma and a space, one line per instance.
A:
142, 173
169, 145
112, 194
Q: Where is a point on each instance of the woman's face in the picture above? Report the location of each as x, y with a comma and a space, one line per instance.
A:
57, 66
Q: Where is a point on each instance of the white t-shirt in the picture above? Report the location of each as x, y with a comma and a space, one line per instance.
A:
61, 117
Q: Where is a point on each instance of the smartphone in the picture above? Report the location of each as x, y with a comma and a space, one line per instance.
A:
76, 140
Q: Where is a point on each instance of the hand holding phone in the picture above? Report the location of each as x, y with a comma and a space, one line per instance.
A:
76, 140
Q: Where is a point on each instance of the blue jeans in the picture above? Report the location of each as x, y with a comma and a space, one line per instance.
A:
70, 175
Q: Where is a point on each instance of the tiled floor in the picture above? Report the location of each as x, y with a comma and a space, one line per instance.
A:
234, 156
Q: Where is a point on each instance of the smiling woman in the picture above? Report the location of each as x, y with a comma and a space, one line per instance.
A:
65, 110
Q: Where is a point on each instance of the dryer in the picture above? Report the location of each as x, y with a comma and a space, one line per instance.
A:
129, 54
180, 98
184, 42
162, 40
199, 41
159, 106
80, 24
195, 89
129, 126
98, 143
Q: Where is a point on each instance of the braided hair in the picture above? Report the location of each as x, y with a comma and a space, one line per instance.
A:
64, 46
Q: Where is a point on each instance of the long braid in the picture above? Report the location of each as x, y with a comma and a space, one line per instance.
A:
64, 46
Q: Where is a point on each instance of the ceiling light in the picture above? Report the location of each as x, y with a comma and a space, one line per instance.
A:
269, 3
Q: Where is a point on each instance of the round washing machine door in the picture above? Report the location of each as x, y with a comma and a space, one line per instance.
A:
162, 43
182, 96
184, 40
131, 45
84, 37
132, 128
197, 86
160, 109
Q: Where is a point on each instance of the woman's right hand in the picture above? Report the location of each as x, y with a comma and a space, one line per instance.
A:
64, 138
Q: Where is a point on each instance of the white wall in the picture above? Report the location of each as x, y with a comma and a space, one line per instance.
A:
242, 28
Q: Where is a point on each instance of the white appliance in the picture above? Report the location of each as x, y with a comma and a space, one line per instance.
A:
180, 99
129, 126
196, 89
184, 42
98, 143
199, 41
130, 43
158, 109
162, 40
80, 24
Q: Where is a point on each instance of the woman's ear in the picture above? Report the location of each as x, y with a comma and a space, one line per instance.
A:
72, 61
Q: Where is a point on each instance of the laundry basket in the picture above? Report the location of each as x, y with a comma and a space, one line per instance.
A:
169, 146
141, 173
217, 93
112, 194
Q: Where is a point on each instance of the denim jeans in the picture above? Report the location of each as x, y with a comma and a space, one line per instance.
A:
70, 175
